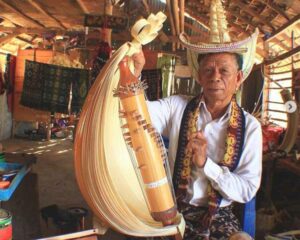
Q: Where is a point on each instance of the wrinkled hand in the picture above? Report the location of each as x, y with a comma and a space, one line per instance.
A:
139, 62
197, 145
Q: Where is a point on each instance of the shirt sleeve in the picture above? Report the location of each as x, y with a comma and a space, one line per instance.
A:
159, 113
162, 111
242, 184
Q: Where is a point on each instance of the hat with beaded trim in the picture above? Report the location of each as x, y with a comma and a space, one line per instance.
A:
220, 41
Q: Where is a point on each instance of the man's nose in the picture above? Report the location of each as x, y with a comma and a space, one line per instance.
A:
216, 76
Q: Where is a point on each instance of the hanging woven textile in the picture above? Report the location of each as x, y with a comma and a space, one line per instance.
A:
32, 93
110, 169
47, 87
80, 88
104, 52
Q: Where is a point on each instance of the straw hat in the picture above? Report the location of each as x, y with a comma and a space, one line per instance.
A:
219, 39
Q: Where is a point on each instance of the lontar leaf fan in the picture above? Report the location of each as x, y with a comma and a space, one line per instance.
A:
103, 158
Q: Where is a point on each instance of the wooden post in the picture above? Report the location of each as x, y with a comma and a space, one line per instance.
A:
108, 11
178, 237
49, 125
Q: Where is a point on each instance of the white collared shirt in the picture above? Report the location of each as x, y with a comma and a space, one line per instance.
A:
240, 185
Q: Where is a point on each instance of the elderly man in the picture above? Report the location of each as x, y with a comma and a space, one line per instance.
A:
215, 147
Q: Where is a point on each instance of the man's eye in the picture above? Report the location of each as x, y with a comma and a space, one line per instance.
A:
208, 70
224, 70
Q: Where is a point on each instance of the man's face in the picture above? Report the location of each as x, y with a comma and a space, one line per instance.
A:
219, 76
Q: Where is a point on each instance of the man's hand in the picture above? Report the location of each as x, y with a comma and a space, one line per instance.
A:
139, 62
197, 146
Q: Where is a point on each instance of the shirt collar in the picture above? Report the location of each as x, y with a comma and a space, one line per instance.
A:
224, 117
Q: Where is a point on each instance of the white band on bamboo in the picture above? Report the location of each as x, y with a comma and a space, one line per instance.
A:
157, 183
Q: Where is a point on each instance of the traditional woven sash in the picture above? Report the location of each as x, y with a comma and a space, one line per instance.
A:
183, 164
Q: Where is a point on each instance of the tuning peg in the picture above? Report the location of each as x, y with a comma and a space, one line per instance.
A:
154, 135
134, 113
142, 122
138, 149
138, 117
150, 128
142, 166
146, 127
125, 125
122, 114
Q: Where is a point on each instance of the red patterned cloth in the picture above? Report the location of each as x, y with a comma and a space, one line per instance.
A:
271, 137
9, 79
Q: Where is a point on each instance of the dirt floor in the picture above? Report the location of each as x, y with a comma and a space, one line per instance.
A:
57, 186
56, 180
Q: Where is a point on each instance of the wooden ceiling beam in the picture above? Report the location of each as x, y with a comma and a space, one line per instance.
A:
4, 51
232, 22
10, 21
281, 44
24, 40
44, 12
279, 31
21, 14
146, 6
238, 15
294, 20
201, 20
7, 38
21, 30
286, 38
195, 29
238, 27
83, 7
261, 52
8, 29
283, 56
246, 8
275, 8
35, 36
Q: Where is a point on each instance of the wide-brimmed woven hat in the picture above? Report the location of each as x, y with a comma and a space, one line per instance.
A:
219, 40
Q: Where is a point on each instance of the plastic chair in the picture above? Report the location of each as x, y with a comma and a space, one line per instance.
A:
249, 217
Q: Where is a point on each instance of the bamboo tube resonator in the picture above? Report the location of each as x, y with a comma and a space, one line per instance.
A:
142, 137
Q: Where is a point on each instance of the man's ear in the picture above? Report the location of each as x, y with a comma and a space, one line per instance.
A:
199, 80
240, 78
